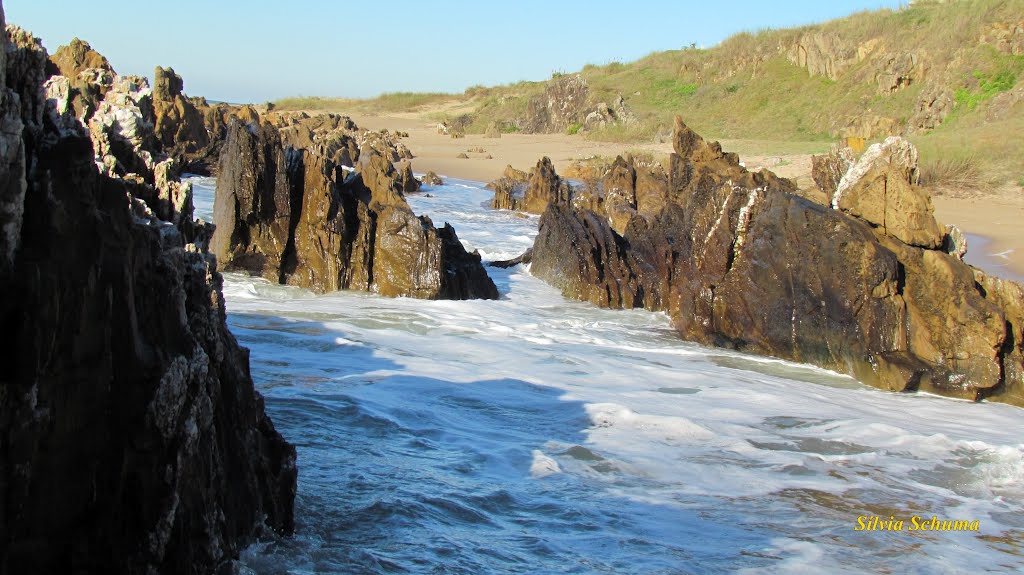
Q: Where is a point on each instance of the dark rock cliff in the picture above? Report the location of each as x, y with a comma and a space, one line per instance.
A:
296, 216
870, 286
132, 439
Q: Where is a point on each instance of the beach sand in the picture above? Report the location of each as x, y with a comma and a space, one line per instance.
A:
997, 218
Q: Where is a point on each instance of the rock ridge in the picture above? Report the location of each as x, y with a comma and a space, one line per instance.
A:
132, 439
296, 216
871, 286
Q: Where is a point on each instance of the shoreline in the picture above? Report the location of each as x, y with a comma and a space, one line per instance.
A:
993, 221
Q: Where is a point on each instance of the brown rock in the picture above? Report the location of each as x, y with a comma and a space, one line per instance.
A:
179, 126
933, 107
544, 187
508, 194
822, 54
292, 216
431, 179
76, 57
737, 260
619, 187
1008, 296
515, 175
880, 189
651, 190
563, 102
828, 169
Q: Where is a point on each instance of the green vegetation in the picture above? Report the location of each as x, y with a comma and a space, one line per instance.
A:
573, 129
313, 103
389, 102
988, 86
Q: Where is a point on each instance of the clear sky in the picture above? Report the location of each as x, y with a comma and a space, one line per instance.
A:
256, 51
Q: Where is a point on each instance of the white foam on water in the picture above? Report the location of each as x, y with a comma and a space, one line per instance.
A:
542, 465
424, 426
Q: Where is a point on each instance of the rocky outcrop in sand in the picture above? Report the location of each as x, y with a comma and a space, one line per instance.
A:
566, 102
738, 260
296, 217
133, 438
822, 53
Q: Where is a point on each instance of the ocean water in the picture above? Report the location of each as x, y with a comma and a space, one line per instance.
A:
536, 434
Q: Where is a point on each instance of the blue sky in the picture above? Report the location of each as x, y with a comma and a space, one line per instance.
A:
256, 51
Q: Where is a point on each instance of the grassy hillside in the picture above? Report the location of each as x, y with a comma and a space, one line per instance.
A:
868, 75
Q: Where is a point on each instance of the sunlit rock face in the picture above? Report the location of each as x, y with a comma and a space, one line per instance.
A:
871, 285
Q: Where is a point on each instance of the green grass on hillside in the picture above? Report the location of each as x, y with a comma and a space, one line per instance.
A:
388, 102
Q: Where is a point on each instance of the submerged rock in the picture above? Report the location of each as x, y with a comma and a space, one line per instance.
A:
508, 194
431, 179
296, 217
738, 260
133, 438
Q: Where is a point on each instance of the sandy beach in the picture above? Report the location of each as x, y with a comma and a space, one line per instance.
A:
996, 217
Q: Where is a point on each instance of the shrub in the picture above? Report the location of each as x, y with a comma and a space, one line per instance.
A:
573, 129
963, 173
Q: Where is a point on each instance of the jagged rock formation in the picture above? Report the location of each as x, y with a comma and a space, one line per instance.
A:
827, 170
178, 124
880, 189
533, 192
75, 58
1006, 37
566, 102
133, 440
122, 111
296, 217
822, 54
738, 260
508, 194
509, 189
934, 105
